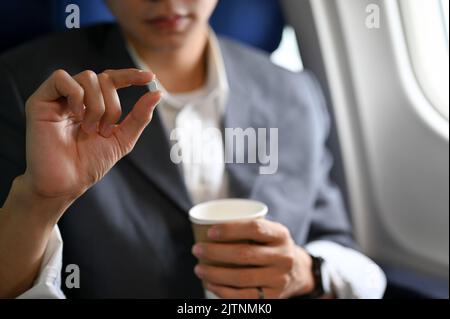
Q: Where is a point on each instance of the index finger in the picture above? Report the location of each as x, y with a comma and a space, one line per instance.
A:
127, 77
258, 230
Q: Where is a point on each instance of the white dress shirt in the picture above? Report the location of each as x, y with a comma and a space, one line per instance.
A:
192, 114
346, 273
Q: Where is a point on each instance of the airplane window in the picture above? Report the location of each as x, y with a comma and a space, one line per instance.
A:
427, 33
287, 55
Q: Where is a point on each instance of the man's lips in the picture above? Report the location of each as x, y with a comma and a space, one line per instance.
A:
169, 21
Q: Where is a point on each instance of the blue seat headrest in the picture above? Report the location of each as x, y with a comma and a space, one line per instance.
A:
256, 22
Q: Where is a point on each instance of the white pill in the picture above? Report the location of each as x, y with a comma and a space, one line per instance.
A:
153, 86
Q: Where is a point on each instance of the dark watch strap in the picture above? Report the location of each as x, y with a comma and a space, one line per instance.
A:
317, 273
318, 283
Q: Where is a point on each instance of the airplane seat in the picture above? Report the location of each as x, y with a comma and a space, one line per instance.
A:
23, 20
257, 23
91, 12
253, 22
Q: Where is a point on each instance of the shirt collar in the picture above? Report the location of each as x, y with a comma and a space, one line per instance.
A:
216, 83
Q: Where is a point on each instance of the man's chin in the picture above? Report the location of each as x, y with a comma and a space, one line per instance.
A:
171, 46
168, 43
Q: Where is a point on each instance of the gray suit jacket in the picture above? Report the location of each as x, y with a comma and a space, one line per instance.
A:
130, 233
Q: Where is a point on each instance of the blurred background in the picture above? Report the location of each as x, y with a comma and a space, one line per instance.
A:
387, 88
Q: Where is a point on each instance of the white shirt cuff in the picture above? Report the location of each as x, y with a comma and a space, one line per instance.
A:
346, 273
48, 282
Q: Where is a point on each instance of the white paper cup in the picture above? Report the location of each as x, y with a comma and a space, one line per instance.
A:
204, 215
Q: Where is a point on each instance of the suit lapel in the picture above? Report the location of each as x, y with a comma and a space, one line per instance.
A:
242, 111
241, 176
151, 154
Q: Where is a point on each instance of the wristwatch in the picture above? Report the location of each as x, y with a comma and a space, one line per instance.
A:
318, 290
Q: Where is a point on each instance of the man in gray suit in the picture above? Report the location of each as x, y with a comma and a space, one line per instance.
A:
124, 223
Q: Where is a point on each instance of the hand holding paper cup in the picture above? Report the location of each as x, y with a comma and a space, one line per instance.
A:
207, 214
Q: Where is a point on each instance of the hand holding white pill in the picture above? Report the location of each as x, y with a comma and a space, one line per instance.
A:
73, 138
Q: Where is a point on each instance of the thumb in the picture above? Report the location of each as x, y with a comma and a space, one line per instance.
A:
131, 128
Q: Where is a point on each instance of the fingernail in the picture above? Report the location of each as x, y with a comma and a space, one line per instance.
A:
213, 232
197, 250
107, 130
